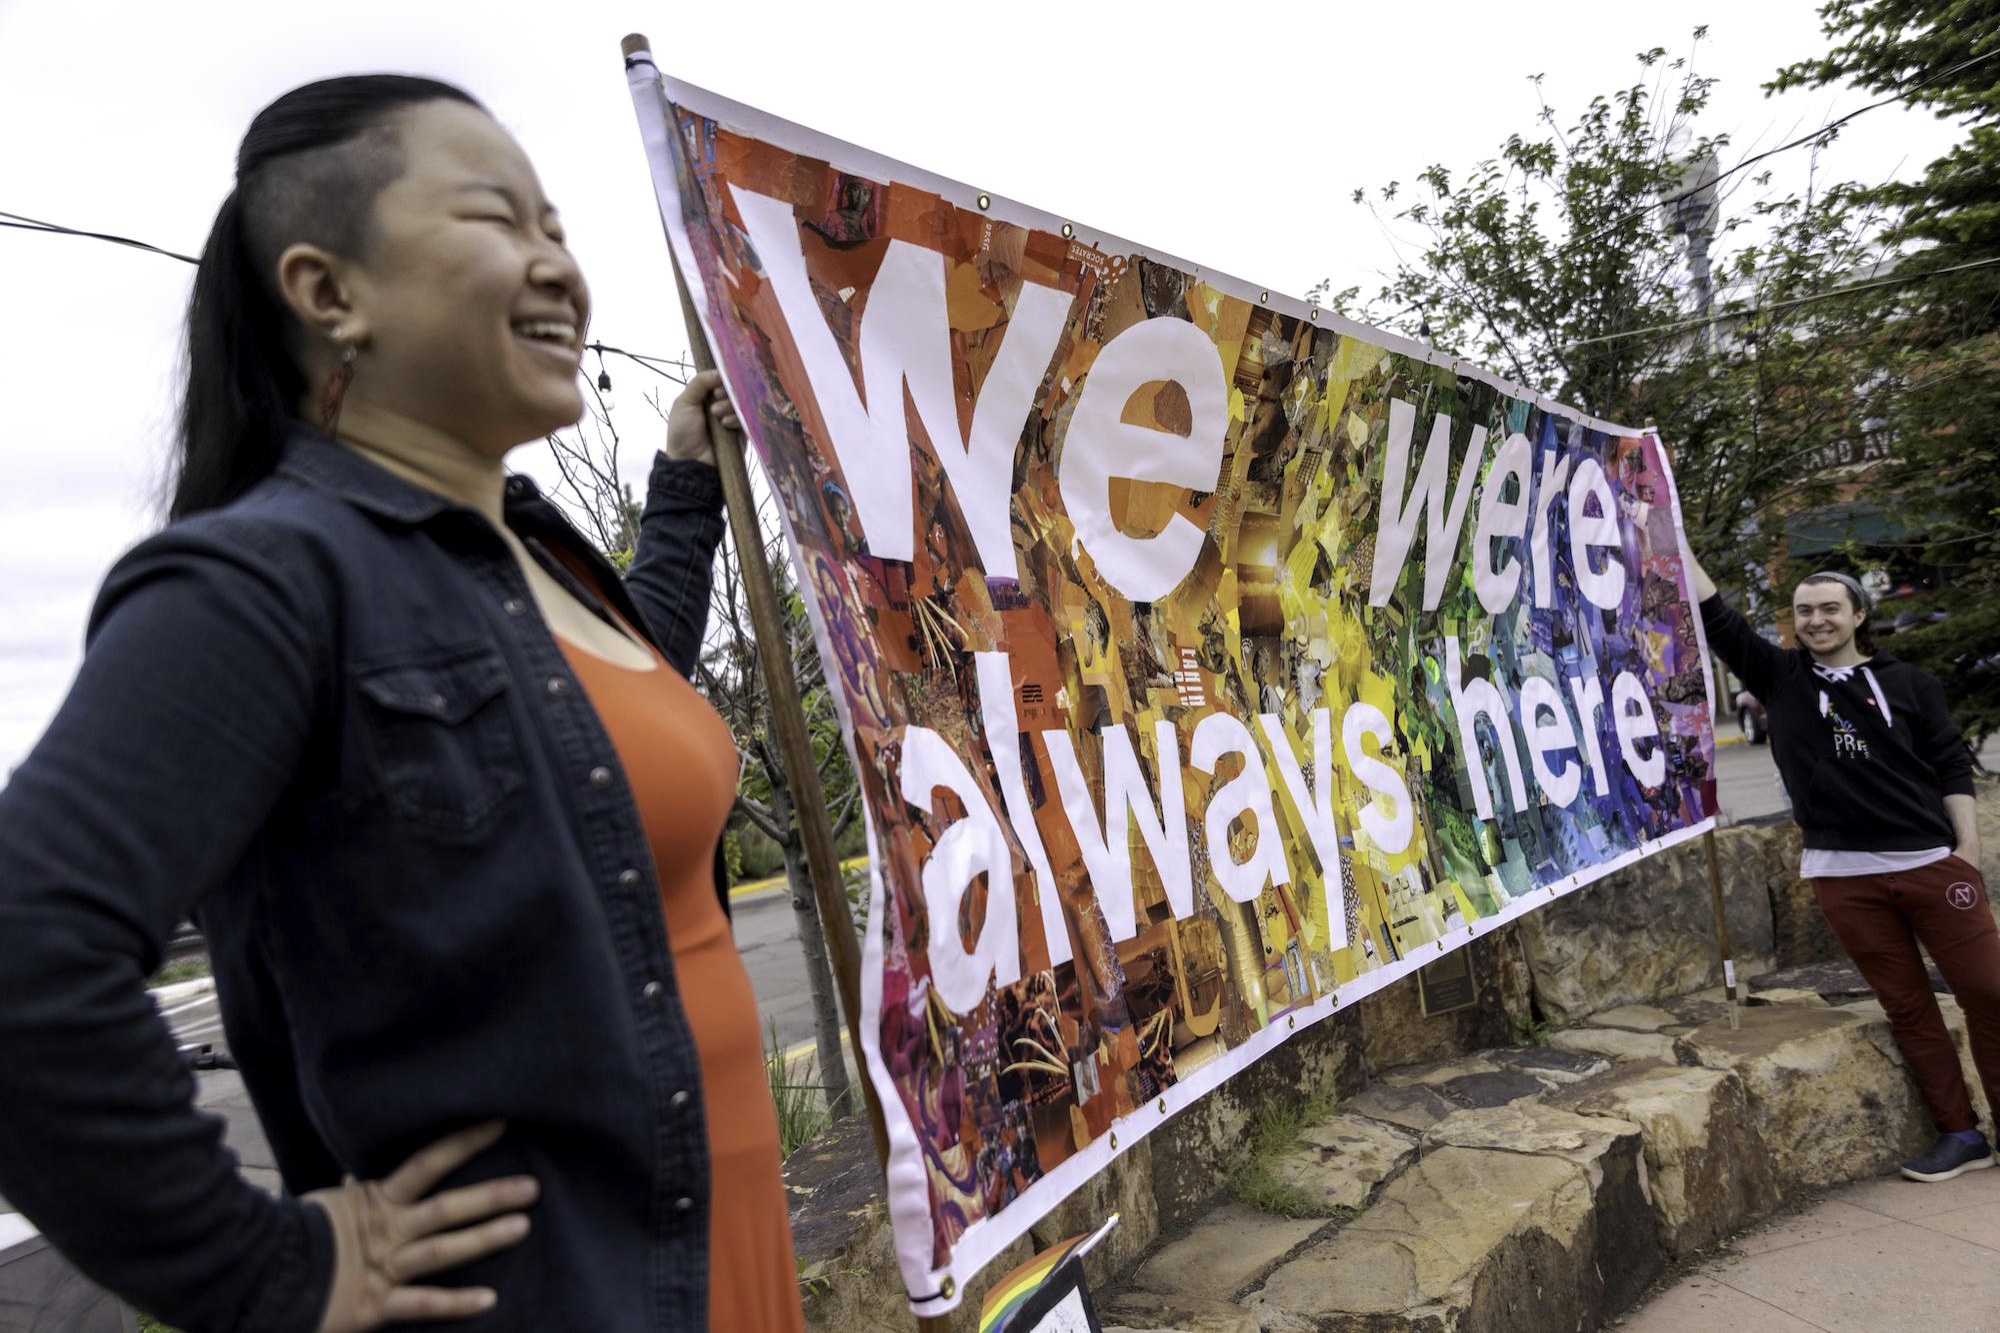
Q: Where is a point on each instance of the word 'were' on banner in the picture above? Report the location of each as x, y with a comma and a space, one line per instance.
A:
1208, 661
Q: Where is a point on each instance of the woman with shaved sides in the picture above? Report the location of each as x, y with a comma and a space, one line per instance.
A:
429, 775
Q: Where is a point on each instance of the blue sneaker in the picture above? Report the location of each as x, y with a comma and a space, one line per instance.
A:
1949, 1157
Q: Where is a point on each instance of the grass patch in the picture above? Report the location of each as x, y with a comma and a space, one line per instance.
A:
181, 969
1530, 1029
801, 1103
1273, 1133
148, 1324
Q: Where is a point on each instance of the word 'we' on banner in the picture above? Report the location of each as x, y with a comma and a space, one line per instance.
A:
1207, 661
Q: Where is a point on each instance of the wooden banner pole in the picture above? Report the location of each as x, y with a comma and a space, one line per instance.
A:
788, 717
1722, 927
794, 741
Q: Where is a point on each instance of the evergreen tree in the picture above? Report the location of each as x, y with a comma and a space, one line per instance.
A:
1939, 341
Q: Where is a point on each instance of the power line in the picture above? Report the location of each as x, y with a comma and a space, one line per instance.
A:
652, 363
16, 221
19, 223
657, 364
1819, 134
1827, 295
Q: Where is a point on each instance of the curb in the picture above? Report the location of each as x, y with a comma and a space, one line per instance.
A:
771, 883
182, 990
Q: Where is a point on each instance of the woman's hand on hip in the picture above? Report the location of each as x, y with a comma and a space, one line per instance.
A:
387, 1233
702, 402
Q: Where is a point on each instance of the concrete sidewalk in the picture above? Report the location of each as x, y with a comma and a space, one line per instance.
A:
1883, 1256
222, 1093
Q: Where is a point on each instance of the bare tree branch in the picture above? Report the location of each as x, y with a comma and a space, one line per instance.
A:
761, 815
850, 806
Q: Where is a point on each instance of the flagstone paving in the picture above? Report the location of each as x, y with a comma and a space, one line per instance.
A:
1535, 1189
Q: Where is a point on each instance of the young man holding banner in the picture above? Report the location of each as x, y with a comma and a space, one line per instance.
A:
1881, 785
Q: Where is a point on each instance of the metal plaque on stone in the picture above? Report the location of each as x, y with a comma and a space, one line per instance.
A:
1447, 985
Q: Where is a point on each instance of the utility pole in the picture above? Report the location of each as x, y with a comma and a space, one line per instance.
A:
1694, 219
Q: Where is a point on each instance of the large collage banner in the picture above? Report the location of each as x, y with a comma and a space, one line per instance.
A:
1208, 661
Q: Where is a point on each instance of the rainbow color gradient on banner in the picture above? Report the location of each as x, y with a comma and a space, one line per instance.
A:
1208, 661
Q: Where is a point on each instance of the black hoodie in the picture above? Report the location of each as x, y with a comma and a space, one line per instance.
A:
1867, 759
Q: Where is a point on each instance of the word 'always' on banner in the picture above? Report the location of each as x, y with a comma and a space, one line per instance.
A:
1207, 661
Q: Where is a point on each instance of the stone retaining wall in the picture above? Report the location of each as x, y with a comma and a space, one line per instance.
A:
1725, 1130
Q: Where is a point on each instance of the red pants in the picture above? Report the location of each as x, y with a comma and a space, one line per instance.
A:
1878, 919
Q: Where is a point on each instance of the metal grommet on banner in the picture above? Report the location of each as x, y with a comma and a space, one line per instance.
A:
1114, 1140
1068, 231
1291, 1020
1263, 298
1163, 1106
985, 202
948, 1287
1313, 314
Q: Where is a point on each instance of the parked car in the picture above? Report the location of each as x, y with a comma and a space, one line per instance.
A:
1750, 718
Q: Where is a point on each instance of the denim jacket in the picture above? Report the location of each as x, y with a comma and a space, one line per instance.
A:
328, 721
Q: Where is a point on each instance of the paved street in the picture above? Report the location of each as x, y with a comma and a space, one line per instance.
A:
767, 938
1747, 781
196, 1021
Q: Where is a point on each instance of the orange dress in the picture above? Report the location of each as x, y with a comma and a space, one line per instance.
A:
680, 761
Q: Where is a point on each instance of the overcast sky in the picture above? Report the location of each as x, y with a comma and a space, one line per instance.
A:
1233, 138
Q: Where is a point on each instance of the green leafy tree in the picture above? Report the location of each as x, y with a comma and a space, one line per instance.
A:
1773, 417
1534, 262
1587, 260
1939, 346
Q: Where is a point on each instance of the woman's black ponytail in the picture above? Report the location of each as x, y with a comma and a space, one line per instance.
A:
241, 383
309, 169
